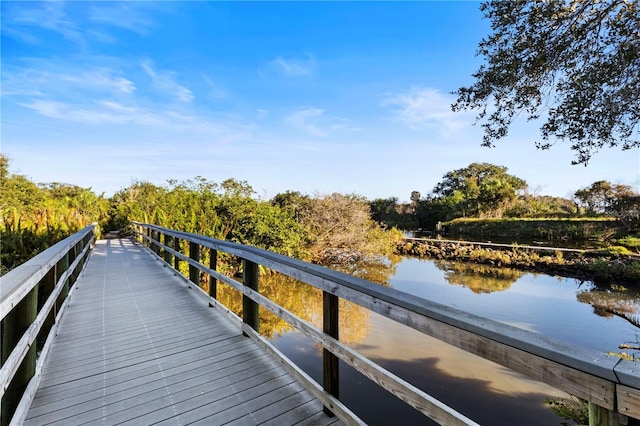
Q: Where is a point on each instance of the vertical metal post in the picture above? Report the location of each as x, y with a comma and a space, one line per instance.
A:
250, 311
152, 245
45, 289
61, 268
13, 326
194, 253
176, 259
213, 282
330, 366
168, 241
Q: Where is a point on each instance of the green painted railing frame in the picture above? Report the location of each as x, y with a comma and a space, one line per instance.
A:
32, 299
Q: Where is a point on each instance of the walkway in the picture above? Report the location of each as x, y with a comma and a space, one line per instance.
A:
137, 346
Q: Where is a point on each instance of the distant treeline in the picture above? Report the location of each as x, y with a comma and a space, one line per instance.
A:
35, 216
342, 231
335, 230
484, 190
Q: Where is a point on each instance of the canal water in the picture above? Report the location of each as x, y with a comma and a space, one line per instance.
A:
562, 308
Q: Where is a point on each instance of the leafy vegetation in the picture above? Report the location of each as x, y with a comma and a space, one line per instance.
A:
345, 232
631, 242
572, 408
334, 230
485, 200
34, 217
576, 62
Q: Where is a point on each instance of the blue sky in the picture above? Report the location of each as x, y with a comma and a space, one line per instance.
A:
324, 97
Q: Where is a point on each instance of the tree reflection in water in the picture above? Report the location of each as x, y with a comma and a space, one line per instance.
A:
615, 301
479, 278
305, 301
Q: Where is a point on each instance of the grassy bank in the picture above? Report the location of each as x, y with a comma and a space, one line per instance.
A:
615, 265
548, 229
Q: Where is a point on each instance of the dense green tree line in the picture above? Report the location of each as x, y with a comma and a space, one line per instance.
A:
36, 216
346, 232
334, 230
483, 190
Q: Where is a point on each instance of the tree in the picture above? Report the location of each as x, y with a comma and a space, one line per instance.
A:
575, 60
480, 189
601, 196
620, 201
341, 230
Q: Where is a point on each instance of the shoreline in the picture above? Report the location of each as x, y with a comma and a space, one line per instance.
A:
599, 266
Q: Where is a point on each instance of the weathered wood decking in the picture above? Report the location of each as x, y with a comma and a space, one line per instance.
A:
135, 345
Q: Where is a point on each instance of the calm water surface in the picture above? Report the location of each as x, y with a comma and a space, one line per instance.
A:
565, 309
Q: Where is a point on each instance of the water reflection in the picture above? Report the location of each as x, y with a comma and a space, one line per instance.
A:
302, 300
486, 392
478, 278
617, 301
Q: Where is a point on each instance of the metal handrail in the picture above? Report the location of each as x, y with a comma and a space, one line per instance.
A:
32, 299
608, 383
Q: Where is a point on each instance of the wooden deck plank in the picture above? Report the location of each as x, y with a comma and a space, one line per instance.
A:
134, 371
70, 371
252, 400
136, 345
226, 402
319, 419
134, 400
145, 383
274, 409
302, 413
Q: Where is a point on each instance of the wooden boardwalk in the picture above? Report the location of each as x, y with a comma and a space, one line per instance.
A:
137, 346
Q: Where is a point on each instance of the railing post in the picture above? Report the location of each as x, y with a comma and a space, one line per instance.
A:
168, 241
194, 254
213, 282
13, 326
599, 416
176, 259
149, 235
153, 246
250, 312
61, 267
330, 366
45, 288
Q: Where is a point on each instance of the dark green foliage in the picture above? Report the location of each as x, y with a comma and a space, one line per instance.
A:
556, 230
34, 217
394, 214
223, 211
478, 190
575, 62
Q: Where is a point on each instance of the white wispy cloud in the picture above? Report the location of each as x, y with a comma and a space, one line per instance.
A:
110, 113
215, 90
293, 67
104, 112
165, 81
48, 15
44, 79
313, 121
80, 25
104, 96
425, 108
129, 16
